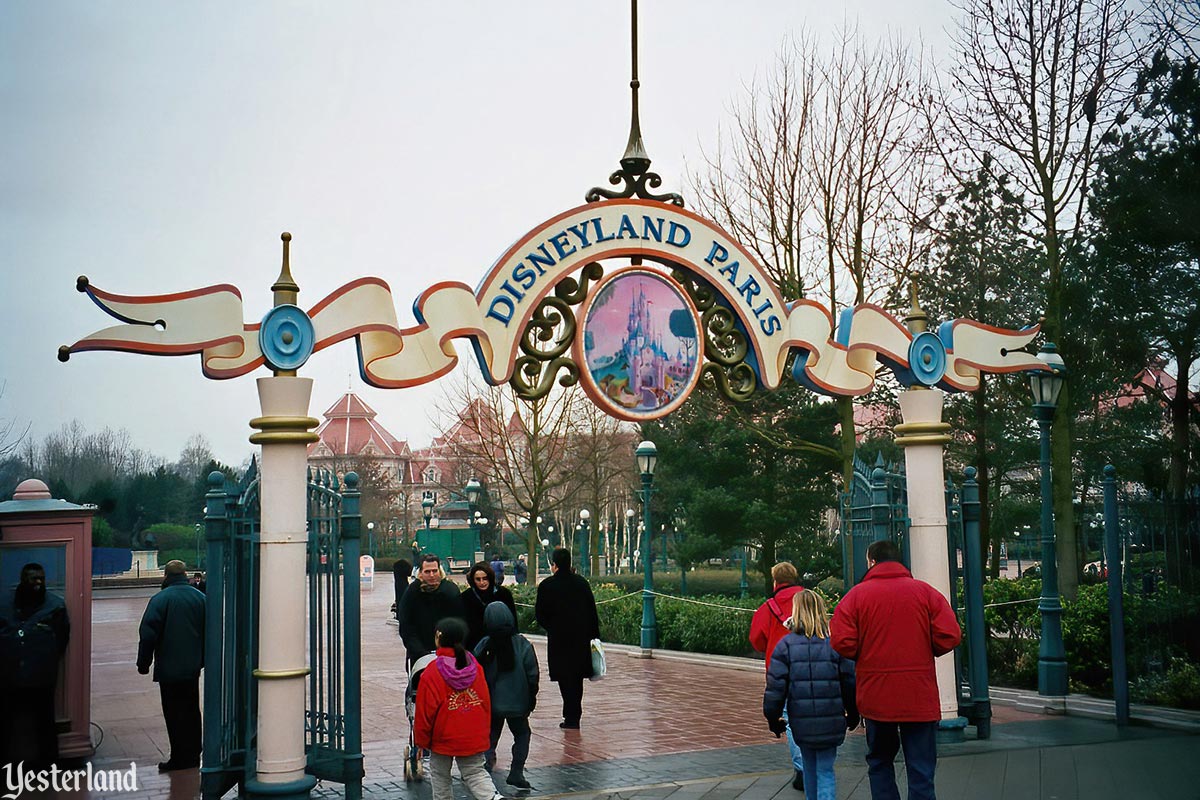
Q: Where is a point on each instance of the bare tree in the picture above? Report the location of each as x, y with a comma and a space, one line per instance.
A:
517, 448
11, 433
1036, 84
1177, 22
600, 459
195, 456
827, 178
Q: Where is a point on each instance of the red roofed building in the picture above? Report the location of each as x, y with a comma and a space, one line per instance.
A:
350, 431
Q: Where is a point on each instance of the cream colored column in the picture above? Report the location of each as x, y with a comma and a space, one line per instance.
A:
284, 433
923, 435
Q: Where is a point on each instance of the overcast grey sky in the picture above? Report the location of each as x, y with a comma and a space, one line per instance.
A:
159, 147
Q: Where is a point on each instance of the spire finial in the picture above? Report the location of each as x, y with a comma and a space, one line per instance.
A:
287, 292
635, 163
917, 320
635, 160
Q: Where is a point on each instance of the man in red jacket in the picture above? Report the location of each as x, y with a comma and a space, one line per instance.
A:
894, 626
770, 624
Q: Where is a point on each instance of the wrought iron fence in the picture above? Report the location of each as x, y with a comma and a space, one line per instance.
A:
333, 714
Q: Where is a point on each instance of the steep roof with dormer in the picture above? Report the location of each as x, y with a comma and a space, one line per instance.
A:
350, 429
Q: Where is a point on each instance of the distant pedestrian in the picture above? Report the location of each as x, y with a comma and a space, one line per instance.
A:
453, 716
893, 626
511, 669
482, 589
172, 636
498, 568
772, 622
566, 610
521, 569
401, 577
34, 631
815, 685
199, 582
427, 601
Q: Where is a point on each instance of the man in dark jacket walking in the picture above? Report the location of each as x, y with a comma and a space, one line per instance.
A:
426, 602
34, 632
172, 636
893, 626
566, 610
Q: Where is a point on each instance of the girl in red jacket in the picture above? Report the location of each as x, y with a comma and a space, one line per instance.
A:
453, 715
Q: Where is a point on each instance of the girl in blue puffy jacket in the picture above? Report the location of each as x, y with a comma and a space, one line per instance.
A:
818, 687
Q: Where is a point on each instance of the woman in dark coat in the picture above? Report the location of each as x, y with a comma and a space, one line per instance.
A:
566, 609
481, 590
818, 686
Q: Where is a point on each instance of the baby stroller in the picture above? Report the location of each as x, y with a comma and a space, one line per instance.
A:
414, 763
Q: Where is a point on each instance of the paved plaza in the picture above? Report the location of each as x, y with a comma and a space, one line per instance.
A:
684, 728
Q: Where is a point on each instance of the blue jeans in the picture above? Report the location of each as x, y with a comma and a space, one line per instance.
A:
819, 781
797, 759
884, 740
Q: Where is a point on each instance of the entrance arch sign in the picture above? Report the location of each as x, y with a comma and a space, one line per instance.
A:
495, 317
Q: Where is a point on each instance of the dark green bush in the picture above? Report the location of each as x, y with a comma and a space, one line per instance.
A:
1160, 628
682, 625
1178, 687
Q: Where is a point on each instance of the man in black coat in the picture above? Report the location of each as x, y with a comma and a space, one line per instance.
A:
426, 602
172, 636
34, 632
566, 609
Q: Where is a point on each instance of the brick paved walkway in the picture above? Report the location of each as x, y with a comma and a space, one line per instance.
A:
652, 729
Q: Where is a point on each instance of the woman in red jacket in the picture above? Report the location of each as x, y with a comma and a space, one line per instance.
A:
453, 715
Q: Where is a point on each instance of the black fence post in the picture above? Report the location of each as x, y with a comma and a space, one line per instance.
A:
981, 710
1116, 610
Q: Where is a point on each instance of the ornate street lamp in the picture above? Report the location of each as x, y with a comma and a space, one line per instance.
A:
1052, 658
427, 513
584, 516
647, 459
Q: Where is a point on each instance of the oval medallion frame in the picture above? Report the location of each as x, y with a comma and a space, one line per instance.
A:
652, 375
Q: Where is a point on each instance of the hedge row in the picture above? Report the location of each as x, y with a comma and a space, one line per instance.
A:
1162, 632
722, 627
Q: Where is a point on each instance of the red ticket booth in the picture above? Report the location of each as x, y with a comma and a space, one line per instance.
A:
58, 535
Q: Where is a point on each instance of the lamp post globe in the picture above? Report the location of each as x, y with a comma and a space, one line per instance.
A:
1046, 385
647, 459
584, 516
472, 490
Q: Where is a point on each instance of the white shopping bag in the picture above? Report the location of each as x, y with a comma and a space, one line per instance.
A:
599, 667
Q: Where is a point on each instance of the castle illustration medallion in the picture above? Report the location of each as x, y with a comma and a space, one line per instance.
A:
640, 348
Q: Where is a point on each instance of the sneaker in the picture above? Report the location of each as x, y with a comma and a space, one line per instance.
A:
798, 781
572, 726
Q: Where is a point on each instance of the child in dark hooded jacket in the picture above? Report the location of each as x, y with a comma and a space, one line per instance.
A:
452, 715
511, 668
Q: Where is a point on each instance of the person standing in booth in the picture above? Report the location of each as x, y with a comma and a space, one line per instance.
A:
34, 632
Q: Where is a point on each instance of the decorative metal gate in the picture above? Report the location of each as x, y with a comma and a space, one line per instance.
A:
333, 717
876, 507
